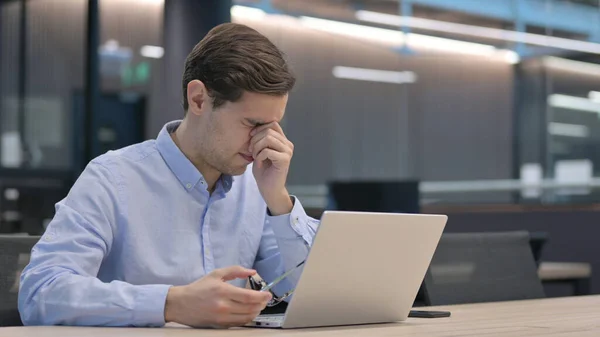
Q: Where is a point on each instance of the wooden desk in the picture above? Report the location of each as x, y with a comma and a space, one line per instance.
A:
568, 316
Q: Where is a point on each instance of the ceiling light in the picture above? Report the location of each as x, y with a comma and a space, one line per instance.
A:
157, 2
154, 52
510, 56
573, 103
247, 12
594, 96
374, 75
358, 31
477, 31
387, 36
439, 43
397, 38
568, 130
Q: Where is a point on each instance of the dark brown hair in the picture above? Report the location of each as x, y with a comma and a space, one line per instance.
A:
233, 58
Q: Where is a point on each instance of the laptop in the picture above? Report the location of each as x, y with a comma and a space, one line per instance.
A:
363, 268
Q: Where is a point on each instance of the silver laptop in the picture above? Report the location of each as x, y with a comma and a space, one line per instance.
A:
362, 268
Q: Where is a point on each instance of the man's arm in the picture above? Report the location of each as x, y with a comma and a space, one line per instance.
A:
60, 284
285, 243
288, 232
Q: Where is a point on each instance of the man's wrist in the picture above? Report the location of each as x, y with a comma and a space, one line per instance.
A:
173, 296
281, 205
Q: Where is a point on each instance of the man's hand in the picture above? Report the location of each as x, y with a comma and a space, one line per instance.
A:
272, 153
211, 302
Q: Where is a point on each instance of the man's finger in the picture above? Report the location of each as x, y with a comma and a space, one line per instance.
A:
274, 156
268, 132
246, 309
247, 296
244, 319
232, 273
273, 125
271, 143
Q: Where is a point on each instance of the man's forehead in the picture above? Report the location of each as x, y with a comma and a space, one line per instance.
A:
263, 109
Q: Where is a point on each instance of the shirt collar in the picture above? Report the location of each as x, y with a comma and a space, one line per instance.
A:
187, 174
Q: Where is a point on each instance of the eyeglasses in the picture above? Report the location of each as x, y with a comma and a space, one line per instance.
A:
257, 283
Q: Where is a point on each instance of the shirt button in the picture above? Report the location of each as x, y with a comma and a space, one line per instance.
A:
188, 185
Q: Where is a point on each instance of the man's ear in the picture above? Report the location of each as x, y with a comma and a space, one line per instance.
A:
198, 99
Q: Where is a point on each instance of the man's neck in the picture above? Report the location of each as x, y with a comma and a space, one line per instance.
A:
210, 174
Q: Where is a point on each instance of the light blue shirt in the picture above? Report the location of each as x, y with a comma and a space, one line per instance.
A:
140, 220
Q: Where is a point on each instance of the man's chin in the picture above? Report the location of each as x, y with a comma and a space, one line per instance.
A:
236, 171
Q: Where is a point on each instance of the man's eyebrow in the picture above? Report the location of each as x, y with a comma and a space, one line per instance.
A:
255, 122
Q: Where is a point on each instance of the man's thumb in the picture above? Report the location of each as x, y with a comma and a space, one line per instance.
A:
232, 273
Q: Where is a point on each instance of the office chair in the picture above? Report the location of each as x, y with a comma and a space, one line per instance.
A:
14, 256
537, 241
482, 267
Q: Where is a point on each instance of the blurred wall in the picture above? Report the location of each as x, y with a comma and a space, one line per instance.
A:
455, 123
576, 84
54, 68
538, 82
185, 24
9, 61
531, 97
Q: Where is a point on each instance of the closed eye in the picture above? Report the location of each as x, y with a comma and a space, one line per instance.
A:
254, 123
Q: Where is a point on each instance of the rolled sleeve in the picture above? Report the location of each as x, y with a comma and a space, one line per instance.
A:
285, 243
296, 224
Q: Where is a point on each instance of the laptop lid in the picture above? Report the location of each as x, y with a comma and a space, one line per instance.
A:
364, 268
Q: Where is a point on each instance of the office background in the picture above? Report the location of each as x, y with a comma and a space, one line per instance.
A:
493, 110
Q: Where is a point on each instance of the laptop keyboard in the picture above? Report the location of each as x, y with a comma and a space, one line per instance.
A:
270, 318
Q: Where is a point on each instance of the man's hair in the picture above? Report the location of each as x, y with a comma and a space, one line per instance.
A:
233, 58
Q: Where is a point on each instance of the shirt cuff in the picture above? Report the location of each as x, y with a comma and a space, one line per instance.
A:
150, 305
292, 225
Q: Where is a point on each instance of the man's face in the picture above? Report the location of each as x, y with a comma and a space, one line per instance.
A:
225, 137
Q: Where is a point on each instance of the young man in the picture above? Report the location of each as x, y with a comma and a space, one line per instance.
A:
166, 230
